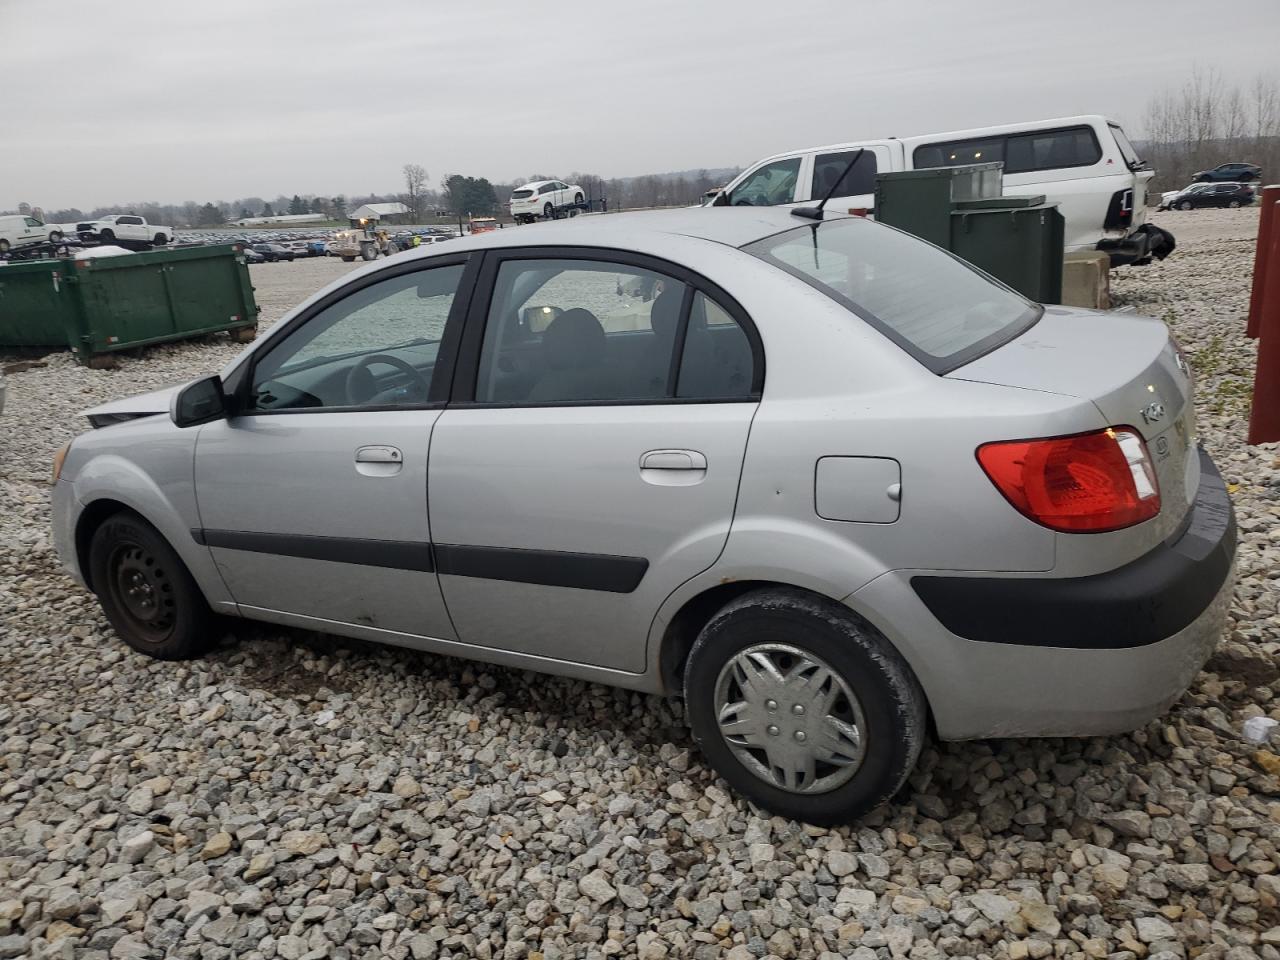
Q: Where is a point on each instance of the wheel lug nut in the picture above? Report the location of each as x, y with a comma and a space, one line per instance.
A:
771, 704
800, 735
773, 731
798, 709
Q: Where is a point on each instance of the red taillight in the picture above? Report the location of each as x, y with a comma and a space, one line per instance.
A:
1089, 483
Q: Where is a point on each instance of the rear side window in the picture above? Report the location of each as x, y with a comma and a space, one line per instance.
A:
936, 307
828, 167
1020, 152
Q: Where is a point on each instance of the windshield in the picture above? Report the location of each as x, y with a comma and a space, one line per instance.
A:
935, 306
1127, 151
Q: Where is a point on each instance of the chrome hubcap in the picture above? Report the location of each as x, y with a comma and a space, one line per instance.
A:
789, 718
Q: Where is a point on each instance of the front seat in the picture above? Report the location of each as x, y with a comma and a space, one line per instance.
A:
573, 356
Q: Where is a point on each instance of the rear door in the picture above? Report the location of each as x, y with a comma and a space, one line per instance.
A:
854, 189
588, 463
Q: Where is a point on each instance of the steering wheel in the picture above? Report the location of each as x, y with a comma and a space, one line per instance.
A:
360, 386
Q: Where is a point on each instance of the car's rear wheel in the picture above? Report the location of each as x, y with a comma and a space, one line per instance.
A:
548, 211
4, 246
1233, 203
159, 239
803, 707
577, 198
1184, 205
55, 236
147, 592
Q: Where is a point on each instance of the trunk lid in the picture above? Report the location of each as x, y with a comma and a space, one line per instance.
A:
1129, 368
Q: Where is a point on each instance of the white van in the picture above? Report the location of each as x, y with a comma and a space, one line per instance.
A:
1084, 164
18, 231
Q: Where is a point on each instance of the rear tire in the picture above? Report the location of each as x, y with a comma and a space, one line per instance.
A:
848, 715
147, 592
4, 246
159, 239
55, 236
549, 212
1233, 203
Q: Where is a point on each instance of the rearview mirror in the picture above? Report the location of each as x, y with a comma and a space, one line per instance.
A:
199, 402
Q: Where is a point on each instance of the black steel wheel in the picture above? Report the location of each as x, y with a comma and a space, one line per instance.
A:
147, 592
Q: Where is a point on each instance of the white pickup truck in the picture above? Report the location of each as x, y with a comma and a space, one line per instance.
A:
124, 226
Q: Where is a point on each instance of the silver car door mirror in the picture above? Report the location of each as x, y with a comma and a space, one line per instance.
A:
200, 402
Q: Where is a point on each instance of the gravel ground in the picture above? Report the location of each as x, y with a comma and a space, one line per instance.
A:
297, 796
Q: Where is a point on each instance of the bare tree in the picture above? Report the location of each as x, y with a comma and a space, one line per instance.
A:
415, 188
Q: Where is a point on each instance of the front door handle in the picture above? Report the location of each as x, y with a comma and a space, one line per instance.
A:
673, 460
378, 453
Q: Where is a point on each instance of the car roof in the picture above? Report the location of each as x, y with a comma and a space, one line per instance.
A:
733, 226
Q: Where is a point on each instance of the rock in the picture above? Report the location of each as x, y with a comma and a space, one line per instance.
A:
994, 907
551, 797
1040, 916
841, 864
596, 886
140, 800
1193, 877
761, 853
874, 866
14, 946
1129, 823
60, 930
259, 866
1151, 929
304, 843
248, 900
362, 816
62, 904
136, 848
218, 845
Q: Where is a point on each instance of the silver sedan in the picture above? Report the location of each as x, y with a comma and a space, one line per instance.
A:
825, 481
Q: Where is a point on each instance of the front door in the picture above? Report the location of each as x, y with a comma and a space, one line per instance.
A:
589, 461
313, 500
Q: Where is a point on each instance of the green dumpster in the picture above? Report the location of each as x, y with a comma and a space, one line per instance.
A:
100, 305
1018, 240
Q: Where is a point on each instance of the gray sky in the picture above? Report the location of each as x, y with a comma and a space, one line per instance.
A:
113, 101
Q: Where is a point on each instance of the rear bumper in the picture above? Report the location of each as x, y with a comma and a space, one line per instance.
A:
1140, 246
1037, 656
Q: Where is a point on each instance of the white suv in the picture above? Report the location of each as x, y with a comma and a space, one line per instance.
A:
543, 198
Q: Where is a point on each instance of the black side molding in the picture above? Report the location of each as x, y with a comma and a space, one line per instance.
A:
1138, 604
552, 568
396, 554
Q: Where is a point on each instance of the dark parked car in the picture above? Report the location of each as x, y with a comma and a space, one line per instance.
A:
253, 256
1213, 195
274, 251
1229, 172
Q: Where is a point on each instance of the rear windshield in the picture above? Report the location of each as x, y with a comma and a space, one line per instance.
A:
935, 306
521, 194
1127, 151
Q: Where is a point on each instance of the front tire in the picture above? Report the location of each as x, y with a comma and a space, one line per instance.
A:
1184, 205
803, 707
55, 236
548, 211
1233, 203
4, 246
147, 592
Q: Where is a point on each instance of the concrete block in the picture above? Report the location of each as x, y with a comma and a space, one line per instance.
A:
1086, 280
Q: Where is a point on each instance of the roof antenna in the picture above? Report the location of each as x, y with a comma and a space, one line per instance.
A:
815, 213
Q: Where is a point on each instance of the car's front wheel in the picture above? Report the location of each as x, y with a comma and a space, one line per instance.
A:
803, 707
147, 592
1184, 205
1234, 203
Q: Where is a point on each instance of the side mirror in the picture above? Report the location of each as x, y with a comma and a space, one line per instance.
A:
721, 200
199, 402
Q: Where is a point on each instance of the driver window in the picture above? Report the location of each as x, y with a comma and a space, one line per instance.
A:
374, 348
768, 186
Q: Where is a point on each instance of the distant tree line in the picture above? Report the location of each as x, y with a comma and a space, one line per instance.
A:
458, 195
1206, 122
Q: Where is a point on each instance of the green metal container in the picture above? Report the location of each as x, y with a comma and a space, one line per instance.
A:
101, 305
1018, 240
920, 201
37, 308
1020, 245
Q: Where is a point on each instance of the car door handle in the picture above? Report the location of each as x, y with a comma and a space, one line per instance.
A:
673, 460
378, 453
